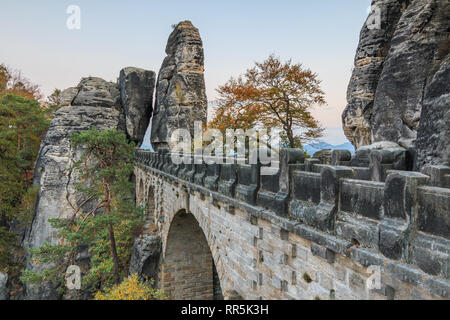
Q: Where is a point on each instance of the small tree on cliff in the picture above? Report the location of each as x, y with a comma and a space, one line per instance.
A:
104, 222
272, 94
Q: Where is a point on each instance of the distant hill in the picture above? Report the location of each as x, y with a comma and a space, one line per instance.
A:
314, 147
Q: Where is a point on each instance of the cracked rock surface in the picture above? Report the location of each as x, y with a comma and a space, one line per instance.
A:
94, 103
180, 90
398, 67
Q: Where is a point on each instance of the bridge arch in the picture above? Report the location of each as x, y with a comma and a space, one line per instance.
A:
188, 269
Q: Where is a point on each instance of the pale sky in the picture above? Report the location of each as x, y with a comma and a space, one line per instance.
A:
323, 35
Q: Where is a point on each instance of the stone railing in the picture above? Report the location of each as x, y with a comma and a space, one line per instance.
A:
401, 215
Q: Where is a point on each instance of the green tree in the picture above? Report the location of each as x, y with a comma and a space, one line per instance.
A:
53, 102
22, 126
105, 222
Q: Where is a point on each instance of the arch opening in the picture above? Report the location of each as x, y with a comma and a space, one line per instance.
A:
188, 269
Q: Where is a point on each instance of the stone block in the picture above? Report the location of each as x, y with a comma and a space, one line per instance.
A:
339, 157
437, 175
248, 183
431, 254
309, 164
433, 211
400, 196
322, 252
439, 286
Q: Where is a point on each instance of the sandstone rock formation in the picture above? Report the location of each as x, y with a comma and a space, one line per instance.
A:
395, 67
433, 136
136, 93
180, 91
57, 196
95, 103
96, 92
146, 255
67, 96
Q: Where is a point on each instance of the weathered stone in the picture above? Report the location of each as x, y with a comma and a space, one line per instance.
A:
394, 65
433, 134
323, 155
180, 91
145, 257
309, 164
102, 109
372, 50
396, 152
322, 252
340, 157
433, 211
248, 182
400, 195
329, 194
96, 92
67, 96
4, 294
136, 93
53, 174
431, 254
438, 175
255, 243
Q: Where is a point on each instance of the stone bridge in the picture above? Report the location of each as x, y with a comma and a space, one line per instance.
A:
332, 228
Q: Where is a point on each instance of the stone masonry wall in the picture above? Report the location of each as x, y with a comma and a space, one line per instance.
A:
187, 270
336, 227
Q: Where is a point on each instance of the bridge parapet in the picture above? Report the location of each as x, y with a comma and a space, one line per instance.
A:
376, 214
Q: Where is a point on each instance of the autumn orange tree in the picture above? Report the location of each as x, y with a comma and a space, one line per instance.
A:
272, 94
12, 82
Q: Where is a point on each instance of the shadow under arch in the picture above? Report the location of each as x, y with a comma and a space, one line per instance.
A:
188, 270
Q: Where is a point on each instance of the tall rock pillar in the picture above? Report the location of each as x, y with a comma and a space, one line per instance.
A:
180, 92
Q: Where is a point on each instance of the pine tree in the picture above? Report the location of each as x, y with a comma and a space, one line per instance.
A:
106, 226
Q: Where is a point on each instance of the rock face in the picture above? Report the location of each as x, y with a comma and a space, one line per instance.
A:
136, 93
96, 103
55, 158
67, 96
395, 67
433, 137
146, 255
180, 91
3, 286
96, 92
57, 193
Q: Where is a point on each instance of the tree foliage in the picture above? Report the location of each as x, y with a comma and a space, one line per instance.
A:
131, 288
13, 82
104, 223
22, 126
272, 94
53, 103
